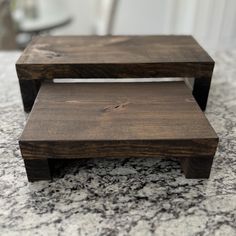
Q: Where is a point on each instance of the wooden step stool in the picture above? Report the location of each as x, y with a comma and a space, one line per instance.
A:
94, 120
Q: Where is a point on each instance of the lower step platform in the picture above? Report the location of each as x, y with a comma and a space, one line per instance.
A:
121, 120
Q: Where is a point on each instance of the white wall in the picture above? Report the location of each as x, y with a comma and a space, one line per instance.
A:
83, 16
212, 22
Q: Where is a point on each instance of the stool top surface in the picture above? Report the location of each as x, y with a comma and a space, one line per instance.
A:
116, 111
113, 50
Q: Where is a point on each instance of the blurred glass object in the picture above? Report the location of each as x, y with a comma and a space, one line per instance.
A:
34, 17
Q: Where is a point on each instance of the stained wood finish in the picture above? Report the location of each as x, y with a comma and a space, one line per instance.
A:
29, 90
116, 57
37, 169
118, 120
197, 167
201, 88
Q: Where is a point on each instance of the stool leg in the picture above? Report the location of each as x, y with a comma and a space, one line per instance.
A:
197, 167
29, 90
37, 169
201, 89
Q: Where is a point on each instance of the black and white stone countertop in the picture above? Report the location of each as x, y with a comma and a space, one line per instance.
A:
125, 196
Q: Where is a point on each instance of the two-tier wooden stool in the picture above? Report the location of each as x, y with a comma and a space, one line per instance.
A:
94, 120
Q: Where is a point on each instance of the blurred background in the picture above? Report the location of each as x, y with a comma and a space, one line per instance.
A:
211, 22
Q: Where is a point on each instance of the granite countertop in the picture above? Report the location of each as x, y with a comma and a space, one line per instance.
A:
125, 196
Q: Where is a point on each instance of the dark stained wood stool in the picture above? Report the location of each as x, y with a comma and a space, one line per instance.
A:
94, 120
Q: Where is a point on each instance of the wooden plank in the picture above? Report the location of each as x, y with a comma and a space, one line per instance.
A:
113, 57
118, 112
113, 49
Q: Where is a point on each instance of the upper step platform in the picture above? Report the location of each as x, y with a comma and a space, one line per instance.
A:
52, 57
113, 57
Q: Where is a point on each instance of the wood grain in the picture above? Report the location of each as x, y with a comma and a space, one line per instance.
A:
113, 56
116, 120
117, 57
116, 111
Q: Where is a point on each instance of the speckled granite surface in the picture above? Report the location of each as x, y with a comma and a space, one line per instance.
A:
119, 197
